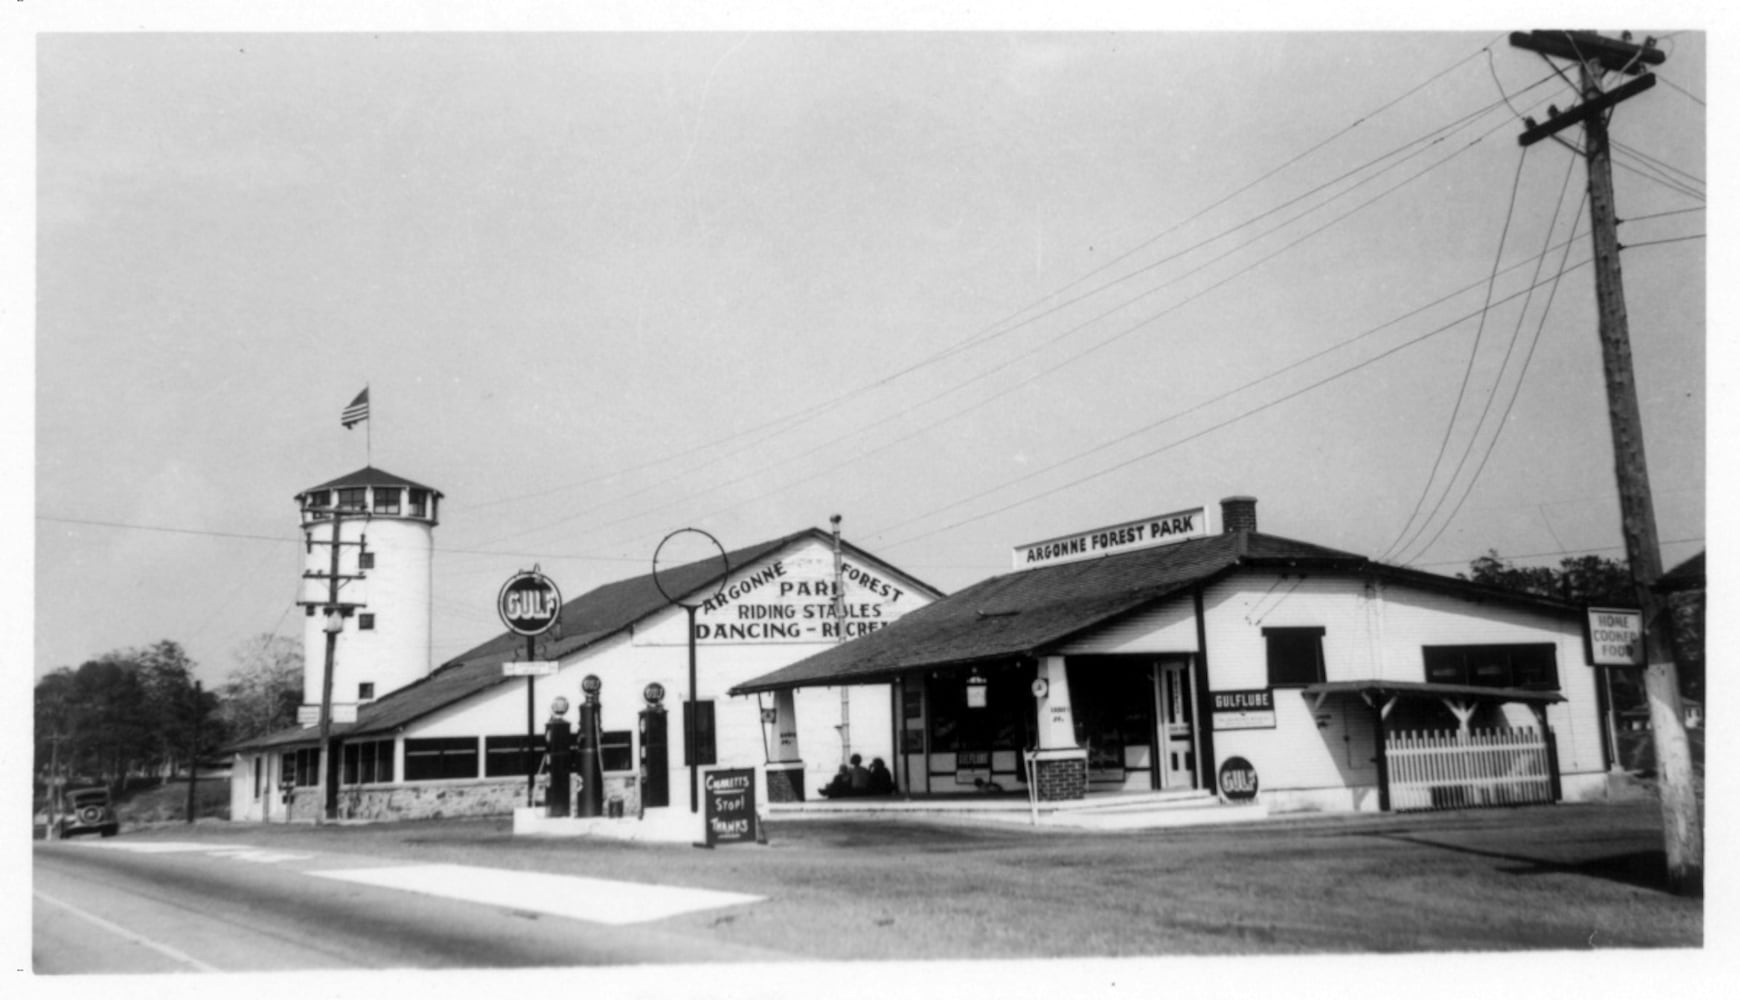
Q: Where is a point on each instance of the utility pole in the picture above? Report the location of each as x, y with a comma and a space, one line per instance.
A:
845, 725
1595, 55
336, 611
193, 750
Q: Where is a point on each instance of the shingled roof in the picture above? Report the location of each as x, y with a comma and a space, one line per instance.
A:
584, 621
1027, 612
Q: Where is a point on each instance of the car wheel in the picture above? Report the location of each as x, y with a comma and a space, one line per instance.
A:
110, 831
64, 833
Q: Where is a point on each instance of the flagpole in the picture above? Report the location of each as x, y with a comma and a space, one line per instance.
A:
370, 429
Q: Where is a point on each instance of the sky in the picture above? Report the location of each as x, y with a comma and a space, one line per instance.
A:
966, 289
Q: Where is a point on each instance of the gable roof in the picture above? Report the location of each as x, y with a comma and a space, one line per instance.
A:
584, 621
1026, 612
368, 475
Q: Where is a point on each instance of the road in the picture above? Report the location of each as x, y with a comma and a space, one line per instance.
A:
120, 906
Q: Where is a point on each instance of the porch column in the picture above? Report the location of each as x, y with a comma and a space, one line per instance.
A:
1056, 721
785, 771
1059, 764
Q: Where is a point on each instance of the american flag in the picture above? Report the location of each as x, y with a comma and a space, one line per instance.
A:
356, 412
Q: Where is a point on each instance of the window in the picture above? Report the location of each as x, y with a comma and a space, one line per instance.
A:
317, 500
301, 767
353, 499
438, 758
365, 560
365, 622
365, 691
387, 499
419, 503
505, 756
368, 763
259, 763
1295, 656
1531, 665
616, 750
698, 734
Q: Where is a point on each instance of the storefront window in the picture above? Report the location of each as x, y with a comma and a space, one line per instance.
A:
505, 756
368, 763
1005, 723
616, 750
1532, 666
438, 758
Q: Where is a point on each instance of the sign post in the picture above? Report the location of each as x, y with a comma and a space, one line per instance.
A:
530, 605
671, 580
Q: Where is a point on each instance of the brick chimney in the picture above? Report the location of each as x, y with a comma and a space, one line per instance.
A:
1238, 514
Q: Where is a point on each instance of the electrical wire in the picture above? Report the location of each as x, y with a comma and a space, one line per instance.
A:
1516, 390
1473, 353
1651, 243
991, 331
1202, 433
761, 472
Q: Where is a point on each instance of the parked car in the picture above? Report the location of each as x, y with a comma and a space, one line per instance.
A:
87, 810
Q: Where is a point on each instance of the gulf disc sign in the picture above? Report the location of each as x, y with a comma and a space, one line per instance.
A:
529, 603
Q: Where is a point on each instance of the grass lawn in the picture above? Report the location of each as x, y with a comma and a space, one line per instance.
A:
1558, 877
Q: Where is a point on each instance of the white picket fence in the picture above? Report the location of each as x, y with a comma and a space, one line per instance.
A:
1447, 770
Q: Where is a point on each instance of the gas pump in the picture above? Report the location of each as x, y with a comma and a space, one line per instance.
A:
591, 768
559, 743
655, 773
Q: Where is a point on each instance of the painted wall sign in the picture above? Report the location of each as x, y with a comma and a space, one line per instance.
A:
1252, 709
1613, 637
1146, 533
1238, 780
730, 806
792, 600
529, 603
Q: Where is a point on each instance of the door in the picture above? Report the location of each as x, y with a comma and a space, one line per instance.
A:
1177, 729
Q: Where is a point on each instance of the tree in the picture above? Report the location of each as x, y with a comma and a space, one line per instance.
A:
264, 691
126, 713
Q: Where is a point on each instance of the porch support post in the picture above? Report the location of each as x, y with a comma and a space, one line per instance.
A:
1056, 719
1552, 742
1383, 761
785, 769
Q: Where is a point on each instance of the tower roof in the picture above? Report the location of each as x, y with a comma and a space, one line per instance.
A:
368, 475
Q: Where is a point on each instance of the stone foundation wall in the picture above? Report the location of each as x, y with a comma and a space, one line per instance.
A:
443, 799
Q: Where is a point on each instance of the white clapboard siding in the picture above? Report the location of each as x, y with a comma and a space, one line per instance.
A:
1448, 770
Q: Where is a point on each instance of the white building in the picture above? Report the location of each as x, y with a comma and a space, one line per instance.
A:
455, 742
1162, 656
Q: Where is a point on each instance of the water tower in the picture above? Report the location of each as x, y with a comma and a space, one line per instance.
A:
386, 526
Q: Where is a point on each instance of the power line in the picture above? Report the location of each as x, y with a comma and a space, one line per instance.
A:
990, 332
1473, 353
761, 472
1522, 374
1563, 552
1185, 440
1651, 243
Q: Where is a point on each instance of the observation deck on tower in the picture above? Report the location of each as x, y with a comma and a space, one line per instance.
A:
370, 492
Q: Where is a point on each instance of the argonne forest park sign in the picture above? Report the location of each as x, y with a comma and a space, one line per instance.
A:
529, 603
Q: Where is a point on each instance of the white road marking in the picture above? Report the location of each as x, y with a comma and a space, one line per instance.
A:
144, 846
237, 852
162, 949
597, 900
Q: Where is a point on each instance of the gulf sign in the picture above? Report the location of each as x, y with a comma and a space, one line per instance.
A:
1179, 526
529, 603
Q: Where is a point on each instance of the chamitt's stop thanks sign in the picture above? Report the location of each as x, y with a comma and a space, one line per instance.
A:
529, 603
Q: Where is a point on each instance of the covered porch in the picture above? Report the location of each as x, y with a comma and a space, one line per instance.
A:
1448, 746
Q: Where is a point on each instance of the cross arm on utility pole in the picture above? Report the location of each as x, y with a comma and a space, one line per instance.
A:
1582, 112
1618, 55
